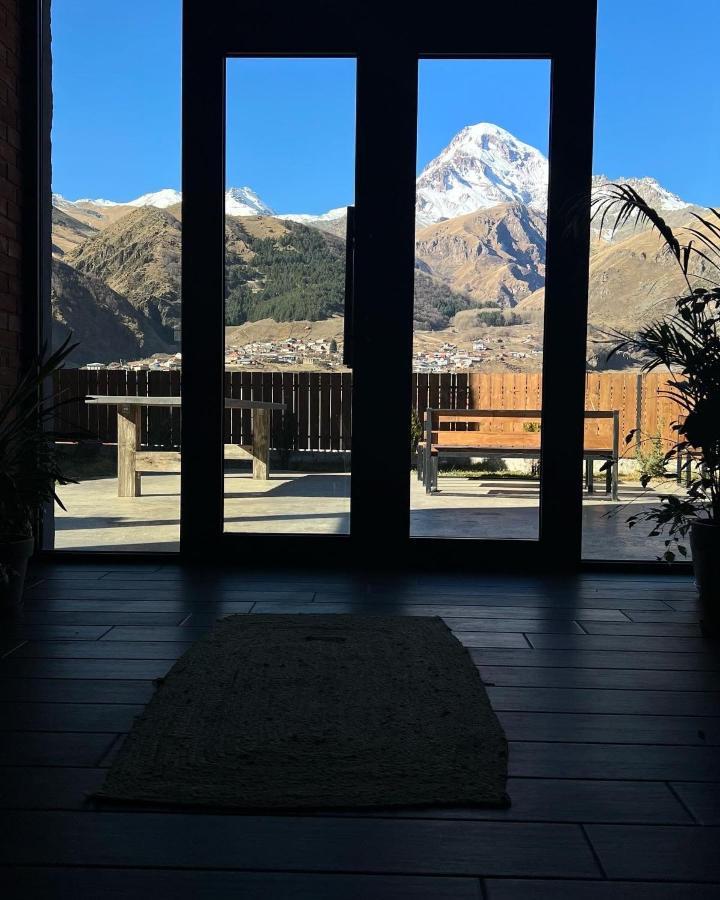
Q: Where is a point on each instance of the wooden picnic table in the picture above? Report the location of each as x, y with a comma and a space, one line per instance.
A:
132, 462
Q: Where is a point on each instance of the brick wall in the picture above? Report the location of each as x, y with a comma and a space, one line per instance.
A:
10, 193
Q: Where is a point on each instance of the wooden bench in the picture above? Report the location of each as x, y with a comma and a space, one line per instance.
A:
132, 461
511, 433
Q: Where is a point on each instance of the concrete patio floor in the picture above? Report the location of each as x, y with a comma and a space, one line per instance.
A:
292, 502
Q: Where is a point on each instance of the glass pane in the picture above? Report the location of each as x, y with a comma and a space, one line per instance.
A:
290, 176
116, 270
480, 264
642, 125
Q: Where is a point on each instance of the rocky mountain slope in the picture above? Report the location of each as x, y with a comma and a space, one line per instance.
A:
496, 254
138, 256
107, 326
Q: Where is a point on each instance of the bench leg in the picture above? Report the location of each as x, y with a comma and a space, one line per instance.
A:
419, 464
615, 476
128, 437
261, 444
431, 476
589, 476
609, 476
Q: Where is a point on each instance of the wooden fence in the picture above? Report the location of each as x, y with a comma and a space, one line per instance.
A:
318, 415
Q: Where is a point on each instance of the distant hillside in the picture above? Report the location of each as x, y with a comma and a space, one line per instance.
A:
281, 270
68, 233
138, 256
106, 325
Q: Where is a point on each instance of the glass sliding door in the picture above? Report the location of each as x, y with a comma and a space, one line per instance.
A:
115, 272
480, 247
641, 128
305, 267
290, 180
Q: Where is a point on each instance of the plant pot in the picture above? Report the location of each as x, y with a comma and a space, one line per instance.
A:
705, 546
15, 551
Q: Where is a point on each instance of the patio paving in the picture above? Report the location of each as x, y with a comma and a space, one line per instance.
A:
293, 502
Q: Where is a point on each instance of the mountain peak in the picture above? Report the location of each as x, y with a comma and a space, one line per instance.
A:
483, 165
243, 201
649, 189
161, 199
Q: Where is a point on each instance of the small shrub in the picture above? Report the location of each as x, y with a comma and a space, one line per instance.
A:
650, 457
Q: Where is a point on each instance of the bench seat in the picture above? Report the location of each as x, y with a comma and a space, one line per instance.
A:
511, 434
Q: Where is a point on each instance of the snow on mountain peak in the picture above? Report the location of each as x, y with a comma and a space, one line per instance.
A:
243, 201
483, 165
161, 199
93, 202
308, 218
649, 189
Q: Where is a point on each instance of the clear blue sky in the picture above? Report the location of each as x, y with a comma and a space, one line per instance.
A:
291, 123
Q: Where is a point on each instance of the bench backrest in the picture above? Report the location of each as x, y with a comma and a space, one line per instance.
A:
513, 429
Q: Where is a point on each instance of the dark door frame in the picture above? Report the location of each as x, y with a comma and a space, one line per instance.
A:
387, 43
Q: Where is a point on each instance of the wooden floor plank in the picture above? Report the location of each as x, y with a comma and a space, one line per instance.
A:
110, 604
101, 717
535, 759
703, 800
646, 629
32, 748
617, 679
561, 800
530, 626
155, 633
669, 616
75, 690
114, 669
615, 702
101, 650
44, 787
26, 632
616, 729
295, 844
530, 889
635, 643
118, 884
657, 852
603, 659
372, 608
502, 598
97, 617
66, 591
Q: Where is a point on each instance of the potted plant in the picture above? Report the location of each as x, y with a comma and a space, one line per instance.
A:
686, 343
29, 470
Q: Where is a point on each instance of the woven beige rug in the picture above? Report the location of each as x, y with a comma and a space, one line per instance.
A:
317, 711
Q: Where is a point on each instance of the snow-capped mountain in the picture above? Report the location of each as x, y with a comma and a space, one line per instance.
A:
160, 199
649, 189
308, 218
63, 203
243, 201
482, 166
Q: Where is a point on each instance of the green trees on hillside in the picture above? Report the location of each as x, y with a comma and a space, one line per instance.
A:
300, 275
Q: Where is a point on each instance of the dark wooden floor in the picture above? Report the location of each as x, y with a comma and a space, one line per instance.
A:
609, 696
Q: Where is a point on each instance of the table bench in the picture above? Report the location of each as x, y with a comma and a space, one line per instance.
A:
511, 433
132, 461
